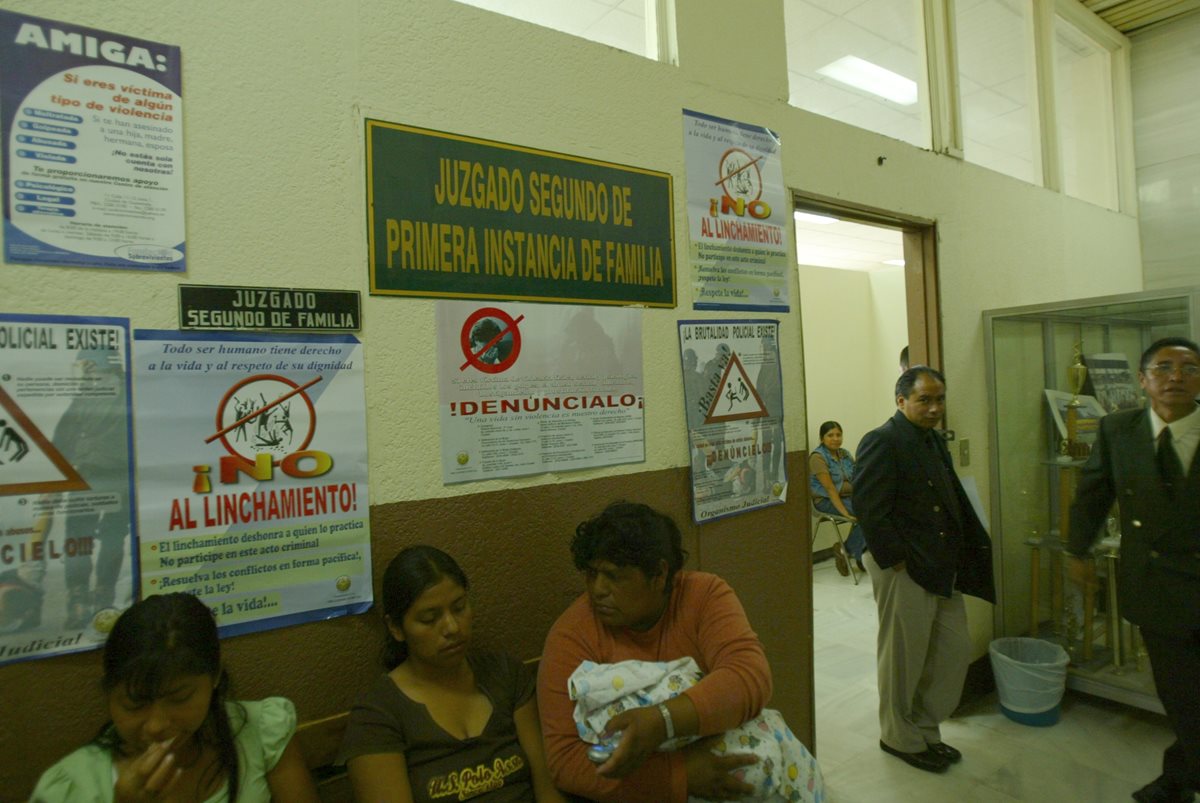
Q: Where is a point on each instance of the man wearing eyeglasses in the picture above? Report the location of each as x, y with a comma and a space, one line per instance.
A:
1147, 461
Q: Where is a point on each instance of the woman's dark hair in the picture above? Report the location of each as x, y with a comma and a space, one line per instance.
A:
828, 425
410, 573
630, 534
156, 641
908, 379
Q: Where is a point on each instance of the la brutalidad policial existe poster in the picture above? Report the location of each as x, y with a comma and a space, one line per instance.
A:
252, 474
733, 395
67, 566
92, 124
529, 388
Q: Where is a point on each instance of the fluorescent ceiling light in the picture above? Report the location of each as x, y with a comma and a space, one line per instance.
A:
896, 262
864, 75
809, 217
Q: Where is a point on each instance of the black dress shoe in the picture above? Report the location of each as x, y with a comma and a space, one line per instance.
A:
925, 760
1162, 790
946, 751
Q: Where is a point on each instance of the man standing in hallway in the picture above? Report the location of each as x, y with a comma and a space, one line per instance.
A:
926, 548
1147, 460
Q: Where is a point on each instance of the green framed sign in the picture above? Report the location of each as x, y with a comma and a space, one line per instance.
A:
452, 216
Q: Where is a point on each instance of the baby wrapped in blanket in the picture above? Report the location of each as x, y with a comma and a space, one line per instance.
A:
785, 769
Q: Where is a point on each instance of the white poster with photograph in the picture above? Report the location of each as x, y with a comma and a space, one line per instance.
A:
1113, 382
252, 472
738, 215
1088, 412
530, 388
733, 397
67, 526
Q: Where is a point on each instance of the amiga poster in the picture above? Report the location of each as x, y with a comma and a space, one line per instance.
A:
733, 394
738, 215
67, 567
253, 474
92, 124
533, 388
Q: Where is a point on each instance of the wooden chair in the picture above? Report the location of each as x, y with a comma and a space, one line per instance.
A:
837, 520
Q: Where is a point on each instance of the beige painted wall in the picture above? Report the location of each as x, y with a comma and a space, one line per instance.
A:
854, 327
274, 100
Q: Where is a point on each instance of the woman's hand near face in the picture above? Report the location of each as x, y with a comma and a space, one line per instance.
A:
148, 776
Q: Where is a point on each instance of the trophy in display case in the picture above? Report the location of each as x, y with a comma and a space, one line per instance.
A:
1076, 377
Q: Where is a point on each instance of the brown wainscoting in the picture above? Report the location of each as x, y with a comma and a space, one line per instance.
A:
513, 544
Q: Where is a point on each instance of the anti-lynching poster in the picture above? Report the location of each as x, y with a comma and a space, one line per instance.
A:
738, 215
66, 483
92, 123
253, 474
529, 388
733, 393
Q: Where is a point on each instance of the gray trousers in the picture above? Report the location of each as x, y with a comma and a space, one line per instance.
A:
923, 652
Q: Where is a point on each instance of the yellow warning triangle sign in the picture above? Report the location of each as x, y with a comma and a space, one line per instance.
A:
737, 399
29, 463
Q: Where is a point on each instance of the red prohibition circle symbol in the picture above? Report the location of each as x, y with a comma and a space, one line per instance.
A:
256, 415
491, 341
738, 174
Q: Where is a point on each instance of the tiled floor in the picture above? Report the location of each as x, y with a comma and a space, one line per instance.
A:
1098, 752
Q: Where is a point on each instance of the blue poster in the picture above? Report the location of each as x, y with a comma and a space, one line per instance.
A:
92, 123
67, 507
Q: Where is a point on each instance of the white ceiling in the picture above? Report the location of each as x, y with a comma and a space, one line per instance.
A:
846, 245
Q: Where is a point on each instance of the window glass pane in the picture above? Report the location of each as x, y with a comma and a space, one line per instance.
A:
1084, 115
619, 23
996, 85
861, 62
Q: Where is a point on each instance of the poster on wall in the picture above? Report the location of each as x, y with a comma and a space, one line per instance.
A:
92, 124
253, 474
738, 213
67, 526
530, 388
733, 398
455, 216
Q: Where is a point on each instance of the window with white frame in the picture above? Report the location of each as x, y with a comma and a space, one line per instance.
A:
631, 25
861, 62
998, 86
1083, 109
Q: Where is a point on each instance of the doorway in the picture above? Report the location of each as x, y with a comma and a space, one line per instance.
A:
867, 287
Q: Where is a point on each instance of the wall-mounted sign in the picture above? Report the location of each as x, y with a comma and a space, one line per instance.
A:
210, 306
452, 216
92, 125
738, 215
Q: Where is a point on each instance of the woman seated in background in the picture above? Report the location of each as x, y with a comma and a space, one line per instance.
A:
444, 722
831, 469
172, 735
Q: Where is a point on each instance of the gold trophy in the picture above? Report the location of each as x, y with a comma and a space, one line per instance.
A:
1076, 377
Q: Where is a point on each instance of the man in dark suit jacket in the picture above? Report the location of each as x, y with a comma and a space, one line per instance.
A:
1139, 460
926, 548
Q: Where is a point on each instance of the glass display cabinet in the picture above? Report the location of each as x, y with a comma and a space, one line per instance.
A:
1044, 412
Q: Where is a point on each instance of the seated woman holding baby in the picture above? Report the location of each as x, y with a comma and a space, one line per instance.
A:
642, 608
